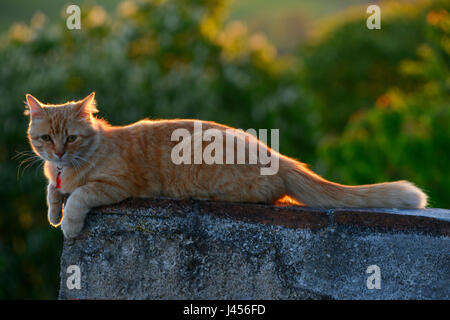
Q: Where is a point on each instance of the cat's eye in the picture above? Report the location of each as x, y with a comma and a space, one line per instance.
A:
71, 138
46, 138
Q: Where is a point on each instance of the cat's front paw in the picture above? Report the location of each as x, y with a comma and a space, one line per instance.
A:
54, 215
71, 228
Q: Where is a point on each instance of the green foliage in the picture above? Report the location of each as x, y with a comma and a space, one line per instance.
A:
407, 134
352, 65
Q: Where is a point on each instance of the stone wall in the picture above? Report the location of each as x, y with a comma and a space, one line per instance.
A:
168, 249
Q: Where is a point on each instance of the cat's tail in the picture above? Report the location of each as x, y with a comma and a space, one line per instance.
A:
312, 190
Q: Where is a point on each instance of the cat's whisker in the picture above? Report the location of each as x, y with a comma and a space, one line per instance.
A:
76, 165
30, 156
30, 160
39, 167
73, 165
26, 160
17, 155
80, 164
20, 154
80, 161
81, 158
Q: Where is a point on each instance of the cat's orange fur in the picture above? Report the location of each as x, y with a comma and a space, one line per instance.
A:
106, 164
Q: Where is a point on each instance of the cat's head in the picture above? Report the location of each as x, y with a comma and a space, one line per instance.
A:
64, 134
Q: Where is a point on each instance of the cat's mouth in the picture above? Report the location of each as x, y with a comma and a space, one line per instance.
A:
55, 161
61, 162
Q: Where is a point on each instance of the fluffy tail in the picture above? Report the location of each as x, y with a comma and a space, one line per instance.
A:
312, 190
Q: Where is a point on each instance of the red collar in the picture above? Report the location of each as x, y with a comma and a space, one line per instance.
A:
58, 178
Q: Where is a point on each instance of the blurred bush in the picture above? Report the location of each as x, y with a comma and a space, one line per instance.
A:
351, 66
368, 105
405, 134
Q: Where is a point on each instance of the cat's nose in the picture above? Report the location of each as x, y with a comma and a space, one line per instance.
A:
59, 153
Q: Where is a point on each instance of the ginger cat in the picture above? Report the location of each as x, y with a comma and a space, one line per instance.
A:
99, 164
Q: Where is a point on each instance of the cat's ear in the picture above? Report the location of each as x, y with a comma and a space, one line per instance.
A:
34, 107
87, 106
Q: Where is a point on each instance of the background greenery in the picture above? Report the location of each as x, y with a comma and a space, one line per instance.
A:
359, 105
